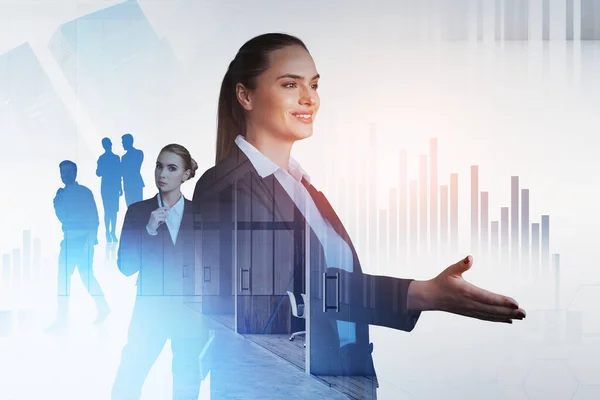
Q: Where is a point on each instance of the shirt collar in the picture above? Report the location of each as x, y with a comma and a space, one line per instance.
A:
178, 207
264, 166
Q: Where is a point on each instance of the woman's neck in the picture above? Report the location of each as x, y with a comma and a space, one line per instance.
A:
275, 149
171, 197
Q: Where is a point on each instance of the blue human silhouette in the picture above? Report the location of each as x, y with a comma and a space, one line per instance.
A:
131, 165
111, 189
76, 209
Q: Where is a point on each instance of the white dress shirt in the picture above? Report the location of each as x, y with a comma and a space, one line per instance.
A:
173, 220
337, 252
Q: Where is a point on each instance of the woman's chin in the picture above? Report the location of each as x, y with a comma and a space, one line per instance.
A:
302, 134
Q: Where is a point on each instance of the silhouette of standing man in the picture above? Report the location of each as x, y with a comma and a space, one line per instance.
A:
109, 169
131, 165
76, 210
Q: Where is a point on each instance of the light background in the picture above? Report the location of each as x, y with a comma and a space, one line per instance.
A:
513, 108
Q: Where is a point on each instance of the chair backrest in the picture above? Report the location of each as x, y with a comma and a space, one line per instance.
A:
293, 304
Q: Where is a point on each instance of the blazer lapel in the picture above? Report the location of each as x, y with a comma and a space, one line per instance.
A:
328, 212
268, 190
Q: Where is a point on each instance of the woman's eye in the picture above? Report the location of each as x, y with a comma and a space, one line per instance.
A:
289, 85
315, 86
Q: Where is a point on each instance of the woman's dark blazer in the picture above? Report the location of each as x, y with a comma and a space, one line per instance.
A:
165, 269
262, 204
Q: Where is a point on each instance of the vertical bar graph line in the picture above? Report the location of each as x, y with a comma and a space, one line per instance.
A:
545, 20
524, 229
545, 243
423, 239
474, 208
444, 243
453, 214
498, 20
413, 238
514, 220
484, 245
382, 256
373, 195
393, 228
570, 20
433, 196
26, 250
403, 207
494, 247
504, 236
534, 264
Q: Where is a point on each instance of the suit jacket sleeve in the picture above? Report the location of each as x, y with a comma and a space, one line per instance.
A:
129, 255
370, 299
99, 169
59, 206
197, 209
197, 199
197, 194
374, 300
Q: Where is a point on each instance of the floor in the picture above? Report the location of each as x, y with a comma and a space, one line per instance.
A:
81, 362
354, 387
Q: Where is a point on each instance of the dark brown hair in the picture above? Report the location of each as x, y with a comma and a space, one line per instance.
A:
250, 62
188, 161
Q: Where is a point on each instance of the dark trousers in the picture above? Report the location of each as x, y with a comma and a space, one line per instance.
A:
156, 319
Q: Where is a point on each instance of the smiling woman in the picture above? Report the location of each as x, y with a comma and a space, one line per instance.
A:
269, 91
267, 233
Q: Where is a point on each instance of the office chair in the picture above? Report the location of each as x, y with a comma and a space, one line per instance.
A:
297, 311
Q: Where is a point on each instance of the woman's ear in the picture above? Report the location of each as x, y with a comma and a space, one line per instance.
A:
186, 176
243, 96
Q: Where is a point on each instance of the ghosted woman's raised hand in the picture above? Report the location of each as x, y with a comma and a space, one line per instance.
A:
450, 292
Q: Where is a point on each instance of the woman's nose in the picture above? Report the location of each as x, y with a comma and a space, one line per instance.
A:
308, 97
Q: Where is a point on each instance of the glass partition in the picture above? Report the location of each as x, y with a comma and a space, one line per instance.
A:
251, 250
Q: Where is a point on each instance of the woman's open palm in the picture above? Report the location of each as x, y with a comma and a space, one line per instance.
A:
452, 293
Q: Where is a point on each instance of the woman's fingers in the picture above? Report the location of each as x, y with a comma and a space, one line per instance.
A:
492, 304
486, 316
160, 214
490, 312
464, 298
486, 297
500, 311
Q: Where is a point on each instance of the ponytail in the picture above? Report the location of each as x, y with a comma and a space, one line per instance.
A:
230, 117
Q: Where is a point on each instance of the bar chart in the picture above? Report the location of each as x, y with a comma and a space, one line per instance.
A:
519, 20
23, 271
408, 228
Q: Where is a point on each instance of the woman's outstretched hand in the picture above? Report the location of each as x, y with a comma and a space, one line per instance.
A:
449, 292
